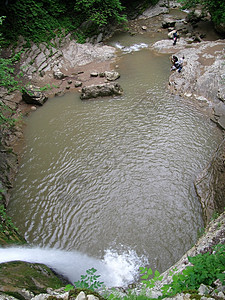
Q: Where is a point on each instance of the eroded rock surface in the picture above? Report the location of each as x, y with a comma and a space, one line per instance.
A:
101, 90
210, 184
37, 280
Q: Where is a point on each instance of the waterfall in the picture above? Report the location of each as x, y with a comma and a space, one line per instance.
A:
115, 269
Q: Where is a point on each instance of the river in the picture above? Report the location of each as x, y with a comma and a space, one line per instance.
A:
114, 176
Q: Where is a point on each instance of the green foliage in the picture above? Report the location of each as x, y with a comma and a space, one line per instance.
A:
8, 81
39, 21
215, 7
42, 20
6, 119
205, 269
100, 12
7, 69
88, 281
5, 220
146, 273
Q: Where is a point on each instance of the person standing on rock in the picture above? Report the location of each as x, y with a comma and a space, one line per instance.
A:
175, 37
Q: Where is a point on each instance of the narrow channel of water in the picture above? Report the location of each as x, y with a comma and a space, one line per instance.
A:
116, 174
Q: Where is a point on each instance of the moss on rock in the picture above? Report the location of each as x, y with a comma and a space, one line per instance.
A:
17, 278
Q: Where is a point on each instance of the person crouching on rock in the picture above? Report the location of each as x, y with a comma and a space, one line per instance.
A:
177, 64
174, 61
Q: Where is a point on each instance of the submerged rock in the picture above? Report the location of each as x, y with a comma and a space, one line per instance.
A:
101, 90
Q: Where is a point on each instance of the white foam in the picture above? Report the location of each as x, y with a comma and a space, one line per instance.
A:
132, 48
115, 269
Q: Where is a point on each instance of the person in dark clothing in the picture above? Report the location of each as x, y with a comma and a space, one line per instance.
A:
177, 64
174, 61
175, 37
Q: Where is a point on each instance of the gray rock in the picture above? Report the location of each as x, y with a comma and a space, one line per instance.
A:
99, 38
203, 290
219, 109
210, 184
33, 95
59, 75
221, 122
168, 22
111, 76
94, 74
155, 10
92, 297
221, 93
78, 84
101, 90
81, 296
221, 295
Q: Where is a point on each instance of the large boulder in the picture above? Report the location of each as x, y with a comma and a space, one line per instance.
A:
101, 90
33, 95
203, 71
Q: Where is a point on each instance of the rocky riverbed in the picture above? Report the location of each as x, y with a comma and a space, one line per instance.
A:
67, 67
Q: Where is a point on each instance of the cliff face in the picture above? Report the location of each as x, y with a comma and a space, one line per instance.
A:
210, 184
201, 80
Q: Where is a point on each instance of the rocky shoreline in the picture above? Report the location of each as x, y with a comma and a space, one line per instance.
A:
201, 81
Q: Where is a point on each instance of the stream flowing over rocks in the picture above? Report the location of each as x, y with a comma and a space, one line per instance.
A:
67, 67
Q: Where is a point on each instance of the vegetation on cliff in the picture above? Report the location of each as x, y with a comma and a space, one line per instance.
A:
42, 20
216, 8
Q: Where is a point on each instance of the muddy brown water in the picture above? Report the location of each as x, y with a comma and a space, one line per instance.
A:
116, 173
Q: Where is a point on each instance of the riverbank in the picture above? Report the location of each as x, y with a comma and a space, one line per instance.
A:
81, 73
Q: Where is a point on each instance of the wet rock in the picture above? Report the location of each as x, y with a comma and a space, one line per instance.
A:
33, 95
111, 76
101, 90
